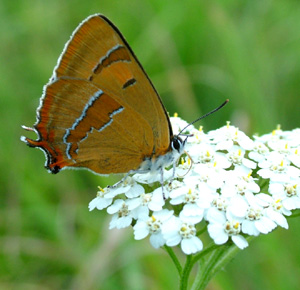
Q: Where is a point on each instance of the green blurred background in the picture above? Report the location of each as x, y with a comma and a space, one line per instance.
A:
197, 53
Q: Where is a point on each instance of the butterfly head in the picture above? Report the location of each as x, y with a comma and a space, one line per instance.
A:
177, 144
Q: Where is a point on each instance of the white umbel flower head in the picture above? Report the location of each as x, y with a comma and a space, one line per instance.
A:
277, 168
102, 200
124, 212
227, 136
220, 230
176, 231
152, 226
288, 193
220, 182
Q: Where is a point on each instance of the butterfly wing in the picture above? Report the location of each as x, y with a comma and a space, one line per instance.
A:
100, 110
98, 52
81, 126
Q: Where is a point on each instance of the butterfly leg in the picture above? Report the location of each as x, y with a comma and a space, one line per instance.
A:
122, 180
174, 170
162, 182
126, 175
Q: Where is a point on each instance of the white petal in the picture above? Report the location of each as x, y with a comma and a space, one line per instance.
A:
217, 233
280, 177
178, 192
170, 231
191, 245
140, 213
249, 228
120, 223
245, 142
278, 218
163, 215
192, 210
191, 219
293, 172
256, 156
276, 188
228, 190
93, 203
224, 145
295, 159
172, 224
291, 203
157, 240
100, 203
124, 222
248, 163
116, 206
240, 241
113, 222
263, 199
222, 161
254, 187
135, 191
265, 225
172, 239
264, 173
133, 203
238, 206
177, 200
157, 201
114, 191
140, 230
215, 216
104, 203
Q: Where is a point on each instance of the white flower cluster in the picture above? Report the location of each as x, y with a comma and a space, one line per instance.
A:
233, 185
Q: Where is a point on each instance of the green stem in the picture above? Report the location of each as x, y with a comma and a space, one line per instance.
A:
209, 249
209, 265
197, 278
201, 231
174, 259
186, 272
219, 258
190, 262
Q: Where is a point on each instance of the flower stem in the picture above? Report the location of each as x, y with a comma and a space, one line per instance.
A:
210, 266
174, 259
219, 257
201, 231
190, 262
186, 272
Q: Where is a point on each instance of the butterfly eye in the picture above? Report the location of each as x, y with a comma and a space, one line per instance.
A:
177, 144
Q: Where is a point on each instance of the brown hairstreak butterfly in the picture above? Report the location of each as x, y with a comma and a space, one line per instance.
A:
100, 110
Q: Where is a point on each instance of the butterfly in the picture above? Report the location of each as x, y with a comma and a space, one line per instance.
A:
100, 110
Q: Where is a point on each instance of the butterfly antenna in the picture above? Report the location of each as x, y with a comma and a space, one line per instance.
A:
204, 116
